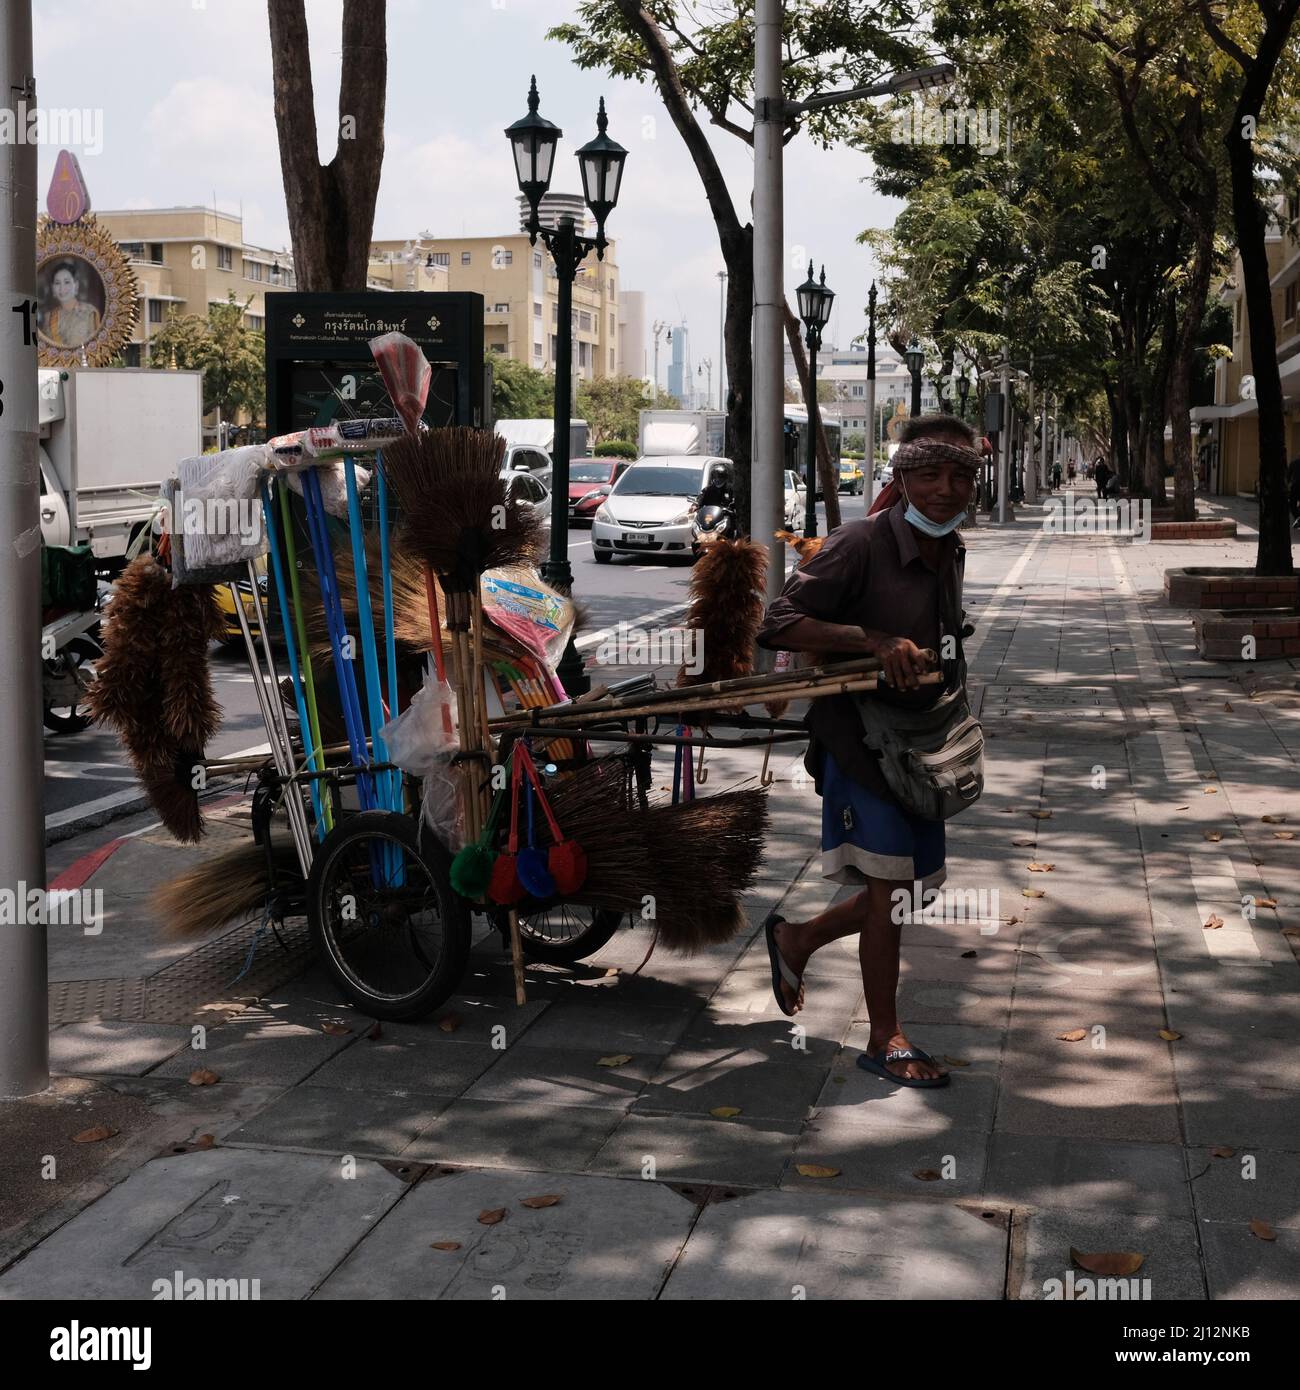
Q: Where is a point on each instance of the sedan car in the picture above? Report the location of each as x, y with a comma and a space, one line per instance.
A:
525, 489
590, 482
650, 509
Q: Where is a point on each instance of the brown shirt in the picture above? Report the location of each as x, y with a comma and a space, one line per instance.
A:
869, 573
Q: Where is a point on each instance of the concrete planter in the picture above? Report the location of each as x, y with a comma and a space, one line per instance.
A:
1220, 636
1229, 588
1193, 530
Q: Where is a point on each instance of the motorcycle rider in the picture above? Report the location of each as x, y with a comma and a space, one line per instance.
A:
717, 490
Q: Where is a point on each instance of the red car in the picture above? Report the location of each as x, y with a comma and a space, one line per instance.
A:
589, 483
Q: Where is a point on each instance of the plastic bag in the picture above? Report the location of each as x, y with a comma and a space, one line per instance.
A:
421, 741
217, 509
523, 606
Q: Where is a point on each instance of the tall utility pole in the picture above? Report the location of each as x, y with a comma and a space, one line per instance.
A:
722, 339
1043, 476
870, 489
24, 1010
657, 330
1031, 466
1004, 453
767, 443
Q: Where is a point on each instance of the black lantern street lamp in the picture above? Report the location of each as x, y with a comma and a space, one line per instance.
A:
915, 360
963, 388
533, 140
815, 302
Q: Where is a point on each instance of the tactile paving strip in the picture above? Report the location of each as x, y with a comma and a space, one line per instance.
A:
211, 974
1048, 710
73, 1001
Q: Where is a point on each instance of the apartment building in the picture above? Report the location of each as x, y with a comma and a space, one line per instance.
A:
1227, 432
188, 258
521, 296
846, 370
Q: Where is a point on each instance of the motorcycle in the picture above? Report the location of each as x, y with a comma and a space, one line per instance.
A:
712, 522
70, 647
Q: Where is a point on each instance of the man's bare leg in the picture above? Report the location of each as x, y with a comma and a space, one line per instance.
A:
870, 914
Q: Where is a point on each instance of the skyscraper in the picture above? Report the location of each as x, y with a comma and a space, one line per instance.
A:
679, 379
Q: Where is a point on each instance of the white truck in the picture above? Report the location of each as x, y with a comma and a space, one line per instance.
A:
672, 433
109, 436
528, 439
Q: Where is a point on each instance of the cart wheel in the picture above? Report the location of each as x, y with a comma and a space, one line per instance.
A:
384, 917
563, 932
73, 666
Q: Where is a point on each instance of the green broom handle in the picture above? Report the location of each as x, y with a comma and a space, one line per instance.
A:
313, 714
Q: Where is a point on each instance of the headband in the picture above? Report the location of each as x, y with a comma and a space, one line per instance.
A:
921, 453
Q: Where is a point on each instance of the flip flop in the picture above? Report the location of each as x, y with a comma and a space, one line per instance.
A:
780, 970
876, 1065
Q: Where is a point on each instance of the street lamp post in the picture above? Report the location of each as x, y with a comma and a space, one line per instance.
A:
915, 360
722, 336
870, 488
815, 302
705, 370
533, 140
963, 389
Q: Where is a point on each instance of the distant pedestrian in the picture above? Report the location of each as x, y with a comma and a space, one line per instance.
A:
1071, 472
1056, 475
1101, 475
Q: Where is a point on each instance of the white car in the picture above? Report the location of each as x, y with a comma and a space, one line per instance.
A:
650, 509
528, 458
796, 501
527, 489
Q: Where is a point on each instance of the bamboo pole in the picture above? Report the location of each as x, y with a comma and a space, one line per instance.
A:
517, 958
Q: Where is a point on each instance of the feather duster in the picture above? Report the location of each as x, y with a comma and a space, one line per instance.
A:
726, 609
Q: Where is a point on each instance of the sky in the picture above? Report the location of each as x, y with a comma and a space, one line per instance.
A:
184, 88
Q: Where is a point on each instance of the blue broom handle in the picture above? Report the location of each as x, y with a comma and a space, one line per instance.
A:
343, 672
291, 647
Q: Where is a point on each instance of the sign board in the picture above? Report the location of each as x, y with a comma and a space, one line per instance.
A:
318, 363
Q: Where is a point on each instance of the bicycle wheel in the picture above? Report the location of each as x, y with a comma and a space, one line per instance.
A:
384, 917
562, 932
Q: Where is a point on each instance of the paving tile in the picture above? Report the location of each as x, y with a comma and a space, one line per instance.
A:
340, 1121
545, 1076
749, 992
284, 1219
1171, 1262
505, 1134
784, 1245
1093, 1107
1039, 1170
1241, 1115
260, 1050
1249, 1184
691, 1148
100, 1048
1238, 1265
860, 1097
613, 1025
605, 1239
432, 1066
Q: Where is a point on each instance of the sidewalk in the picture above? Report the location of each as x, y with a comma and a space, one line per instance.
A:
336, 1161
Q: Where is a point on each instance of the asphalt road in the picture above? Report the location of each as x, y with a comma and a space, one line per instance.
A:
86, 767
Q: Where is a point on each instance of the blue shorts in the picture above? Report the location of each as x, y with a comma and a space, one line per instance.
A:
866, 836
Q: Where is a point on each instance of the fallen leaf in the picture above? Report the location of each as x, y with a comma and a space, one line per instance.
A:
1209, 791
1222, 1151
1273, 820
203, 1077
1212, 835
1182, 808
613, 970
969, 955
956, 1061
204, 1141
94, 1135
1169, 1035
445, 1245
449, 1022
1227, 707
1011, 921
375, 1033
492, 1217
1263, 1230
549, 1199
335, 1030
1213, 922
1111, 1263
1074, 1035
1284, 834
839, 1080
1024, 844
724, 1112
927, 1175
1041, 815
617, 1060
1037, 868
815, 1170
1291, 931
1265, 902
1032, 893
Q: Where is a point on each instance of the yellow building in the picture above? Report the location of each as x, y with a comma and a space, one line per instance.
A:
1229, 429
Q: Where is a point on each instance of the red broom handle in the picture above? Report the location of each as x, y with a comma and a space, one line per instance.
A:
435, 624
514, 798
530, 768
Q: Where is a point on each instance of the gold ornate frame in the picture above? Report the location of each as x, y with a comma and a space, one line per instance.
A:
88, 241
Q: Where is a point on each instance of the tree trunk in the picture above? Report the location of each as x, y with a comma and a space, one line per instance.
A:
827, 472
1273, 554
331, 207
738, 343
1117, 400
1182, 364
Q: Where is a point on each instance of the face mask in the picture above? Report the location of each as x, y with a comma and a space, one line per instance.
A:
917, 518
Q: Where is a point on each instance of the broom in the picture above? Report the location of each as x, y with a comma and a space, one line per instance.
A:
226, 886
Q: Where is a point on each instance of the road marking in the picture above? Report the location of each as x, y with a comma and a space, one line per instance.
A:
76, 874
594, 639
